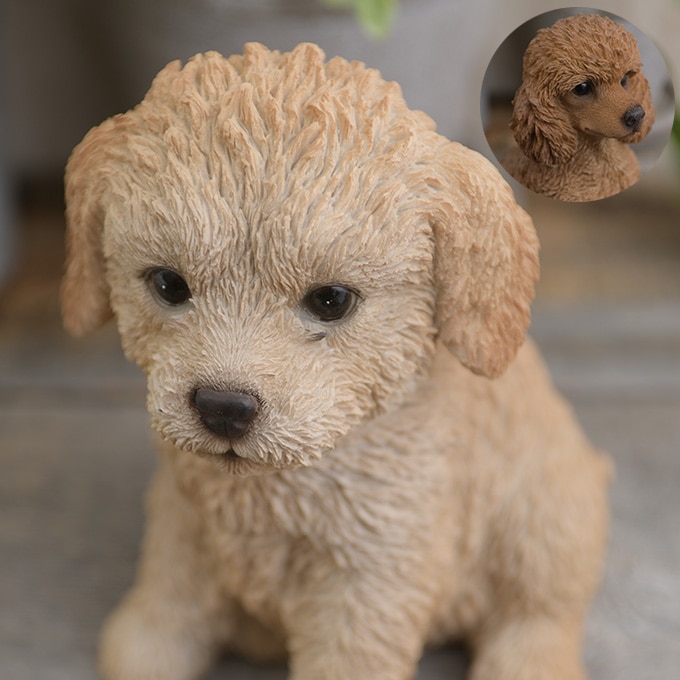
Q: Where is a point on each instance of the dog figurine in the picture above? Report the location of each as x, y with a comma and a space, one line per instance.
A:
319, 289
583, 100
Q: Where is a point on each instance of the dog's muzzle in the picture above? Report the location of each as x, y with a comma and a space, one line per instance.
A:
226, 414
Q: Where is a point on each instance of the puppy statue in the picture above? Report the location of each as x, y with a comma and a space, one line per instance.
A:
319, 289
583, 100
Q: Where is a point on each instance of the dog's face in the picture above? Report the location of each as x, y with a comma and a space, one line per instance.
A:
271, 326
581, 76
606, 107
268, 232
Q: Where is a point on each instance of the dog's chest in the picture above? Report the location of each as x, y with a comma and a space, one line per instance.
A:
266, 532
271, 534
253, 569
607, 169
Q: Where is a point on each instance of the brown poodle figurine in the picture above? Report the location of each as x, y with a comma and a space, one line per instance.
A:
320, 289
582, 101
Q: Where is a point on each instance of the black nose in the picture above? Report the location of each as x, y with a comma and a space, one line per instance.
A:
633, 117
227, 414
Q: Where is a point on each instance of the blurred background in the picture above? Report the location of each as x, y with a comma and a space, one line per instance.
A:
74, 446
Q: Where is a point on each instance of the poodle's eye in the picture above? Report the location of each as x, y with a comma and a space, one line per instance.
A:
168, 286
626, 78
583, 89
330, 303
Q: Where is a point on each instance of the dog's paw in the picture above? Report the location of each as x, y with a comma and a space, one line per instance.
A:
136, 645
529, 650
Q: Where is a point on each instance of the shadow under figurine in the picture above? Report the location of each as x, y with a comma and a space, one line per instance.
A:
319, 289
583, 100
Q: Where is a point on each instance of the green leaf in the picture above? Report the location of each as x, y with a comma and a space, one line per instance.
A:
339, 4
675, 134
374, 16
675, 130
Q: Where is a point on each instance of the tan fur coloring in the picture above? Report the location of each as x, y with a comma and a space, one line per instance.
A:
382, 496
582, 101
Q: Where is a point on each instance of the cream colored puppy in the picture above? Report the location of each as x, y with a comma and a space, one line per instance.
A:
311, 277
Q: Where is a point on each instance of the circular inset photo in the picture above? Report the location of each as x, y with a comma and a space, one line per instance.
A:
577, 104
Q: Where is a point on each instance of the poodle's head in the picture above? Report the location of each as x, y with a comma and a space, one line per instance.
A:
581, 76
282, 241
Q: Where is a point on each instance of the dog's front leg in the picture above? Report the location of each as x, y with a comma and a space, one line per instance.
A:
538, 647
356, 624
171, 623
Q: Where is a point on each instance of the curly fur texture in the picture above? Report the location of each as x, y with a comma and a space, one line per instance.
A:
385, 497
574, 146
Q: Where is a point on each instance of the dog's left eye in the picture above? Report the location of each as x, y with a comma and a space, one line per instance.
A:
583, 89
330, 303
168, 286
626, 78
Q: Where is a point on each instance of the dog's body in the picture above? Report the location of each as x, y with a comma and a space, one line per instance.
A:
285, 239
582, 102
600, 167
442, 520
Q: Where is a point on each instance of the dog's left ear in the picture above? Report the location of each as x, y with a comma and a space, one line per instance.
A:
84, 290
642, 92
486, 262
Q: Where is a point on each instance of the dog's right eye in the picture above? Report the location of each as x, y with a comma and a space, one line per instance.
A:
168, 286
583, 89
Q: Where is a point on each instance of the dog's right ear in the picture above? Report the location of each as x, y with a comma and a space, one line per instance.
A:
84, 290
541, 127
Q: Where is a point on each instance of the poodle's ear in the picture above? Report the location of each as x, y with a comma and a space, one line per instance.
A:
541, 127
84, 290
642, 92
486, 263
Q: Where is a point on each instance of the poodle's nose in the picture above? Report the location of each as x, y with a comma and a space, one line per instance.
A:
227, 414
633, 117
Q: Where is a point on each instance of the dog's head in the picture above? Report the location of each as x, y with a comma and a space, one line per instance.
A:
281, 241
581, 76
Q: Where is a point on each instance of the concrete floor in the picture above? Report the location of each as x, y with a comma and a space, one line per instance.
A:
75, 453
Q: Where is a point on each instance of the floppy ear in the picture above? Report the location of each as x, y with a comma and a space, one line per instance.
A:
642, 92
541, 127
486, 263
84, 290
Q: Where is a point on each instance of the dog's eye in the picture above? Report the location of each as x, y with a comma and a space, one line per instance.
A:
583, 89
330, 303
626, 78
168, 286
